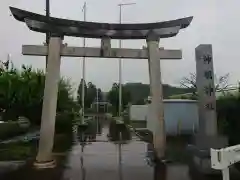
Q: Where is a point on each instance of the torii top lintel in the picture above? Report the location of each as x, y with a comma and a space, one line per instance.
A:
65, 27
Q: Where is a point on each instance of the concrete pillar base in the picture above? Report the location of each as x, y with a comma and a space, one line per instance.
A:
160, 170
45, 165
199, 151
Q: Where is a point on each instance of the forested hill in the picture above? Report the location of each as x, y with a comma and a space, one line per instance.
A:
140, 91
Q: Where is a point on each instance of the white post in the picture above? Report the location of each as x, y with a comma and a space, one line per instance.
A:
120, 156
97, 112
223, 159
120, 68
156, 106
83, 68
225, 174
49, 102
149, 72
120, 60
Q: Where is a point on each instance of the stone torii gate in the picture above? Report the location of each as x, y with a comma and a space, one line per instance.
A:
58, 28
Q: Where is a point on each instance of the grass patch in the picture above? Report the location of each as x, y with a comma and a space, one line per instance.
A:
17, 151
11, 129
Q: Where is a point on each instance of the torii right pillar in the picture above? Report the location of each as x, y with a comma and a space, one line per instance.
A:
156, 106
207, 136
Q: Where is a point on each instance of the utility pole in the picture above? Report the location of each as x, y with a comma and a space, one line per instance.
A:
97, 111
120, 60
47, 34
83, 65
120, 91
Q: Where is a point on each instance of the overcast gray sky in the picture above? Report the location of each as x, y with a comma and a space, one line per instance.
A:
215, 22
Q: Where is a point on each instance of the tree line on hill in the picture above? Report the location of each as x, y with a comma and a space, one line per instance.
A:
134, 93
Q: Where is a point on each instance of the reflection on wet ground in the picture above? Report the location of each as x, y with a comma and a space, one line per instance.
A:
104, 159
101, 160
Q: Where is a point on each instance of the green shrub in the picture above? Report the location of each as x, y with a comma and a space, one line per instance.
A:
21, 93
62, 143
115, 129
92, 127
64, 123
89, 129
228, 108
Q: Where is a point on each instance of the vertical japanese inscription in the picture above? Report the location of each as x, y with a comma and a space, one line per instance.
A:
208, 74
209, 90
205, 76
206, 90
208, 79
209, 106
207, 59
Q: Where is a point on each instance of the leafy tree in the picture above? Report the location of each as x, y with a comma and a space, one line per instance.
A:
90, 93
139, 92
21, 93
79, 92
113, 97
99, 96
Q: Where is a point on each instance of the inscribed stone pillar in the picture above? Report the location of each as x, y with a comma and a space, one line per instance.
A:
206, 90
156, 111
49, 103
207, 136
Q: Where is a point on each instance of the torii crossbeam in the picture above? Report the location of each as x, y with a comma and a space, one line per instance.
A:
58, 28
37, 50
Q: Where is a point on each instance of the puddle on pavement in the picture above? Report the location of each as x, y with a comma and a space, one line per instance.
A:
99, 157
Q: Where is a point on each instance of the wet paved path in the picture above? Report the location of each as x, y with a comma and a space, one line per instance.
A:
100, 160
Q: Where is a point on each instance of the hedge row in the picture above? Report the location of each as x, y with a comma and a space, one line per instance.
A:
228, 114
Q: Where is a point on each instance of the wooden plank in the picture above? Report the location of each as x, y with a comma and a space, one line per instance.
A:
38, 50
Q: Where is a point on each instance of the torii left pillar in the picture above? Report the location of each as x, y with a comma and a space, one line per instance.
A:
44, 157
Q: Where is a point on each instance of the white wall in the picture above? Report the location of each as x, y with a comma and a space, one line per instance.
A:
138, 112
178, 114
